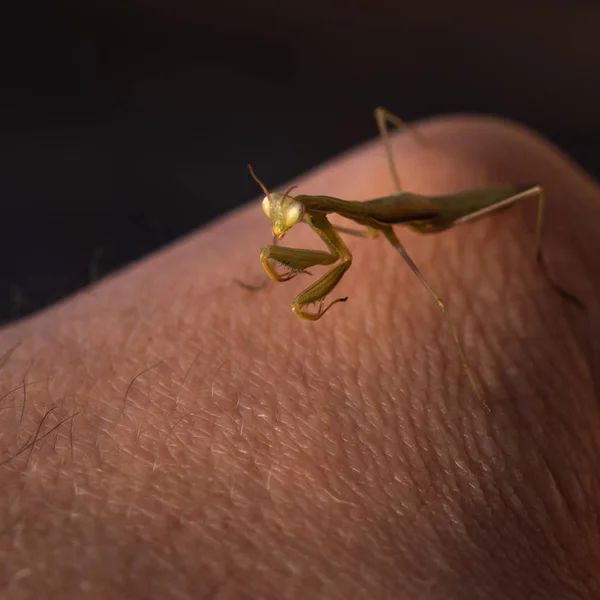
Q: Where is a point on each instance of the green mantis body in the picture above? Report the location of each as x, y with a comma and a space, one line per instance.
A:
424, 214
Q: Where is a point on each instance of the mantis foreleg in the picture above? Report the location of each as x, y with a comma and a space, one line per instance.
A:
298, 260
317, 292
295, 259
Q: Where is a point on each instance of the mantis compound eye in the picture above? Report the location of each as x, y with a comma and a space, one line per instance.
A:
293, 214
266, 206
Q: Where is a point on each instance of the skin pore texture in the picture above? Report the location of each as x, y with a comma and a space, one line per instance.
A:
169, 434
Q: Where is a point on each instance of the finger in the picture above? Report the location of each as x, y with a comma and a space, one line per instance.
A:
351, 445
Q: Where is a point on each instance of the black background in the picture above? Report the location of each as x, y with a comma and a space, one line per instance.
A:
126, 124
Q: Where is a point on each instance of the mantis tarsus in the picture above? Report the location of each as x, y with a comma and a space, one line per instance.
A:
424, 214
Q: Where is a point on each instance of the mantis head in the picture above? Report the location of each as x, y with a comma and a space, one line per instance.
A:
283, 210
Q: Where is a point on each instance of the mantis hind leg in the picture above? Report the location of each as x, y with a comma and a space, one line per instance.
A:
539, 256
524, 194
571, 298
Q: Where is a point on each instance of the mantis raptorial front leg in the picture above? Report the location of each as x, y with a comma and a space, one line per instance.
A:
298, 261
251, 287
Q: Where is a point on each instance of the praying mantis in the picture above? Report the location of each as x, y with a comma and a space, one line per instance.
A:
423, 214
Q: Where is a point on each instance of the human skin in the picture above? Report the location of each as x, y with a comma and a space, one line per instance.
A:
169, 434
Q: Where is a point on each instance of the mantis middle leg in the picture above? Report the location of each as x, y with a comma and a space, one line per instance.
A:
391, 236
383, 117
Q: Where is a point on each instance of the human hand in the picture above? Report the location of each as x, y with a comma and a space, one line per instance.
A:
178, 436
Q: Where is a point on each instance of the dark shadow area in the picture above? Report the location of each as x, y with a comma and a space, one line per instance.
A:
126, 125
